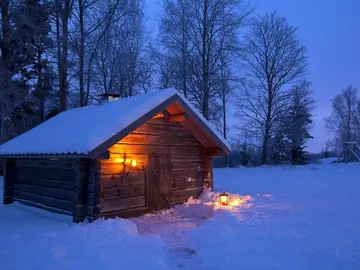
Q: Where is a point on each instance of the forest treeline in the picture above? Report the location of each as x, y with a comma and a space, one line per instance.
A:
228, 61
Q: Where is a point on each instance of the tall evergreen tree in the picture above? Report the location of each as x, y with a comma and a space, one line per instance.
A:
298, 122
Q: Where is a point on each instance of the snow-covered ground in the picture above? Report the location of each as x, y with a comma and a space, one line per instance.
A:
280, 218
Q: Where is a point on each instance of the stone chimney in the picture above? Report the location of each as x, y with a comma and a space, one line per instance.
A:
108, 97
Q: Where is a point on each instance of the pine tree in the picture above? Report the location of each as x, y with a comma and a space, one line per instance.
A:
298, 122
31, 42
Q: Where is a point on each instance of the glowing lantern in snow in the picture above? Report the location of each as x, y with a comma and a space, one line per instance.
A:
224, 198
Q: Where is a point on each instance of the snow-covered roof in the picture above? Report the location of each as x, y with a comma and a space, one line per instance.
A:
81, 130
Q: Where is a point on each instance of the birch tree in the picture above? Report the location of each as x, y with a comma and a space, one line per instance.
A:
344, 121
275, 59
62, 18
195, 34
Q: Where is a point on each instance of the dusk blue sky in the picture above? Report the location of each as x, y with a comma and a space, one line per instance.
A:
330, 29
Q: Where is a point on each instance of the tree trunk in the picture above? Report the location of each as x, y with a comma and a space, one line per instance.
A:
81, 53
5, 69
62, 15
205, 66
39, 89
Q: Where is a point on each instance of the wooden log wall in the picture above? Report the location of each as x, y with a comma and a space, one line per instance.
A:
9, 166
123, 186
55, 185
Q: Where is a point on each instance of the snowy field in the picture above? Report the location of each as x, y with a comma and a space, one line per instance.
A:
280, 218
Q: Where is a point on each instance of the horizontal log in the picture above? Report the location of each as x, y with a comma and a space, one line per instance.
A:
122, 180
46, 173
164, 130
184, 173
121, 204
126, 158
214, 152
122, 148
185, 194
183, 185
188, 165
29, 180
122, 192
175, 157
127, 213
44, 207
178, 117
140, 139
46, 163
117, 168
57, 193
48, 201
162, 121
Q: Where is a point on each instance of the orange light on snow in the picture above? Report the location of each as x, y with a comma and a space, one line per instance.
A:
224, 198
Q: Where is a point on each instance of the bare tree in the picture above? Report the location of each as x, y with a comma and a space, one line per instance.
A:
344, 119
92, 19
120, 62
195, 34
274, 60
174, 32
62, 18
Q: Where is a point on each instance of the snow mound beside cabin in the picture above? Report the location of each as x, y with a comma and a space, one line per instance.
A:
35, 239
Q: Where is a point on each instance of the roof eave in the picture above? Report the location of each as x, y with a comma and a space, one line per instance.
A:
44, 156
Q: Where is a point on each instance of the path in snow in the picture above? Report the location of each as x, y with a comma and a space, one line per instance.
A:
173, 226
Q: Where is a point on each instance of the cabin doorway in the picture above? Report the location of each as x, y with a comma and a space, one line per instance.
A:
158, 190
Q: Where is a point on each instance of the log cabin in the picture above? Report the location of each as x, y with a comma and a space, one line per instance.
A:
122, 157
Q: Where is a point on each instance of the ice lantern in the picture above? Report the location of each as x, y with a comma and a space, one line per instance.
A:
224, 198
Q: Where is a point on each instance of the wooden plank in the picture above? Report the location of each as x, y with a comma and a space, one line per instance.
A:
188, 165
140, 139
122, 192
176, 157
126, 158
42, 182
185, 194
119, 180
127, 213
163, 121
121, 204
9, 180
45, 163
180, 117
44, 207
183, 185
57, 193
80, 191
208, 173
163, 129
214, 152
48, 201
47, 173
124, 148
112, 168
93, 194
184, 173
